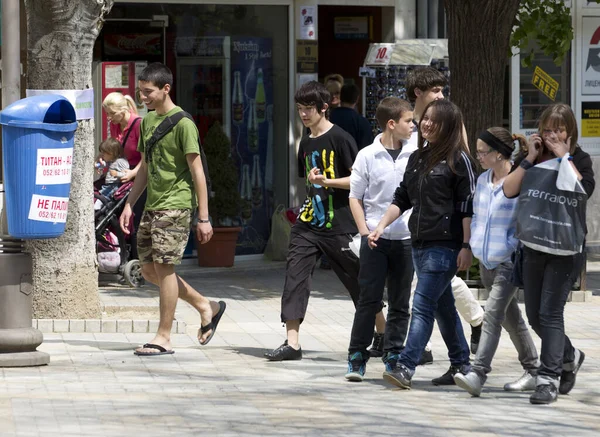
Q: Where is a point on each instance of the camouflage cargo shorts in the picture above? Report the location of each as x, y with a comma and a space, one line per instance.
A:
163, 235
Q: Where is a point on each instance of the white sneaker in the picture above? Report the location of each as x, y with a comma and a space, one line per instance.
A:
470, 382
524, 383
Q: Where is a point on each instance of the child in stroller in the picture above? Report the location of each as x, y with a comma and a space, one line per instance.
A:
111, 157
113, 246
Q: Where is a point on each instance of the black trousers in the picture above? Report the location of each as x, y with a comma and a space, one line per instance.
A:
391, 260
305, 247
547, 280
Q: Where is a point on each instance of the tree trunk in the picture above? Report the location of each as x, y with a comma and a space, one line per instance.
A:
478, 47
60, 41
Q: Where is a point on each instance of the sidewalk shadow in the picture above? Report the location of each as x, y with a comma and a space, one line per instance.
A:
244, 285
259, 352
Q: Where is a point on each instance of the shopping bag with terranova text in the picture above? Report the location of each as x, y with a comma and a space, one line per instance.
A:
551, 209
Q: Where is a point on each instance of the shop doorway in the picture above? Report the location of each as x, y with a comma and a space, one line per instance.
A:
345, 33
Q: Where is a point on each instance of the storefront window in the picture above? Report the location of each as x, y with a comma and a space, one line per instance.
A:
540, 85
230, 64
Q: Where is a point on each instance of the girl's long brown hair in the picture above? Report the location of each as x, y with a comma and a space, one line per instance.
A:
448, 133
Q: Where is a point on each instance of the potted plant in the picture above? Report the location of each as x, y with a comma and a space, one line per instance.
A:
224, 202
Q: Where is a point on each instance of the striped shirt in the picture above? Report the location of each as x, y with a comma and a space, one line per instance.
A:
494, 223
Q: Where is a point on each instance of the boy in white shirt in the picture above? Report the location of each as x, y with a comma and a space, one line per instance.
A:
377, 171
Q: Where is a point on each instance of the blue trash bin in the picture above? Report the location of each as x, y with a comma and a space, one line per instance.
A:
37, 146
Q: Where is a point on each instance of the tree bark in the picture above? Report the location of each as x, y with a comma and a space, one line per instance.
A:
478, 47
60, 40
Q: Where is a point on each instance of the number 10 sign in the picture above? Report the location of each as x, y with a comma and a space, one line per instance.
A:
379, 54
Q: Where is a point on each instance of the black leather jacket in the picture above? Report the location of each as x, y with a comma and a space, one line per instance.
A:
440, 199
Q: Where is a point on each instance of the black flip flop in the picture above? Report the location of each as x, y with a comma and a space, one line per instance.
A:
213, 323
161, 350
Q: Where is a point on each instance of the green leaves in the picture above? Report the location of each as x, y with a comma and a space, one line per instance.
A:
547, 23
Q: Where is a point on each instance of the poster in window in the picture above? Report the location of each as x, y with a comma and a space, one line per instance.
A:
590, 83
252, 115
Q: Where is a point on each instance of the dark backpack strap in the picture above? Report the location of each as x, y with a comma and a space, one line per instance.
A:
161, 130
129, 131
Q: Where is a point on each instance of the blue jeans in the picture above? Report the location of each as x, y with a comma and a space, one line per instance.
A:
435, 267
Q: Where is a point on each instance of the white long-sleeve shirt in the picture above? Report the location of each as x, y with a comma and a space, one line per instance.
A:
374, 178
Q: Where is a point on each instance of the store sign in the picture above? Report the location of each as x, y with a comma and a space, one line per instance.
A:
201, 46
379, 54
545, 83
351, 27
307, 56
127, 44
590, 119
590, 83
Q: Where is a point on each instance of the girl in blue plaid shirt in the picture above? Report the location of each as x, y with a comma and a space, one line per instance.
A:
493, 241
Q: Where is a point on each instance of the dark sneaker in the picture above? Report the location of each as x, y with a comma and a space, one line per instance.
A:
544, 394
567, 377
426, 357
475, 337
400, 376
390, 361
284, 353
376, 350
448, 377
356, 367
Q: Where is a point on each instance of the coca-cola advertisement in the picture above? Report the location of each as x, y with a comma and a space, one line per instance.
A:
133, 44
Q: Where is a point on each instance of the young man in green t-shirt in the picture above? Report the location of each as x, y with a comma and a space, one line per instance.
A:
173, 174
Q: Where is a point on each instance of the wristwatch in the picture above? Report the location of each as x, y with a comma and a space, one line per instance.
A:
466, 246
203, 221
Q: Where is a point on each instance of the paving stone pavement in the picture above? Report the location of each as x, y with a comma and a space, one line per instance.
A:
95, 386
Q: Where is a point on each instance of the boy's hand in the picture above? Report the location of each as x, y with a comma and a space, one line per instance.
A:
316, 178
464, 260
204, 232
374, 236
125, 218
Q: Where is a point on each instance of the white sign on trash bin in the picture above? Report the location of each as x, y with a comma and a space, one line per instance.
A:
53, 166
48, 208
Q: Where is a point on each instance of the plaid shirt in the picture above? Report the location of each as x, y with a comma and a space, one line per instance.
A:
494, 223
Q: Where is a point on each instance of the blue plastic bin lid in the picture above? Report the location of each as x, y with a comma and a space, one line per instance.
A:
49, 112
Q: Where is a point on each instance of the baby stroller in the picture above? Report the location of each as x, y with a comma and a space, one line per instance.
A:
113, 246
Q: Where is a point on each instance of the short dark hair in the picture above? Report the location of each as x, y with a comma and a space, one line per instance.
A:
349, 94
313, 93
157, 74
423, 78
390, 108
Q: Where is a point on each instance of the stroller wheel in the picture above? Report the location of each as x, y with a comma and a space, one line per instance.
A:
133, 273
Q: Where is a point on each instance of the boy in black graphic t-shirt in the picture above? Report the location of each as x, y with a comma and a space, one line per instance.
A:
325, 223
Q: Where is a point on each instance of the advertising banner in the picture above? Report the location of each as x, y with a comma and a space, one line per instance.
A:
252, 137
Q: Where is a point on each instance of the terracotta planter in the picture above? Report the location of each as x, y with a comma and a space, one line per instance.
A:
220, 250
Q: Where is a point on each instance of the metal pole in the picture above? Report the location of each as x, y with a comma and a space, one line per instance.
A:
18, 340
